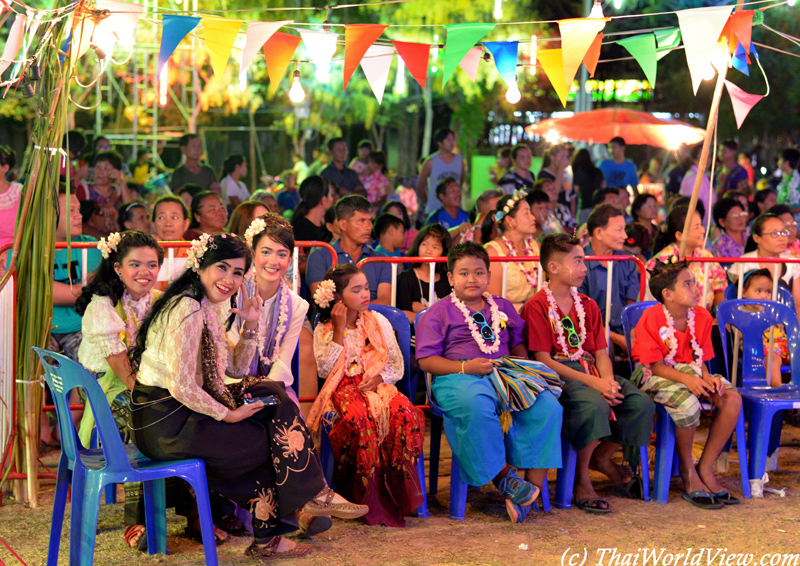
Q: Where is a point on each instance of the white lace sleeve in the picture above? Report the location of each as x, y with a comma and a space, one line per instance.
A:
101, 326
282, 368
181, 347
241, 356
326, 351
393, 372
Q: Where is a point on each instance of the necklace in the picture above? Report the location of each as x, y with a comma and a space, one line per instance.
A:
532, 277
354, 345
283, 315
494, 314
672, 341
214, 318
559, 330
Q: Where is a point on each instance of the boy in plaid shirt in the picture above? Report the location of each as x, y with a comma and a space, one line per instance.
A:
671, 343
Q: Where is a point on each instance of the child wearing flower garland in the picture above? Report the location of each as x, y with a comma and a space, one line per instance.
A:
377, 440
602, 411
672, 342
113, 305
461, 337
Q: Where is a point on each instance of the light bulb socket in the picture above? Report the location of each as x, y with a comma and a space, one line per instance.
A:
326, 26
296, 74
487, 56
101, 55
28, 91
33, 73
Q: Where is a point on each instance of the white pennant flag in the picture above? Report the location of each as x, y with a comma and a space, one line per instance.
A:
258, 34
122, 20
700, 28
14, 42
321, 47
376, 63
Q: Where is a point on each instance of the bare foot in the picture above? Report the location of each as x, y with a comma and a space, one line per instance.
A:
709, 479
691, 480
620, 475
584, 491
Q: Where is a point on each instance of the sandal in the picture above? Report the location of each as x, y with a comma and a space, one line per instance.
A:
702, 500
725, 497
310, 525
130, 534
194, 530
346, 510
634, 489
593, 505
269, 551
232, 525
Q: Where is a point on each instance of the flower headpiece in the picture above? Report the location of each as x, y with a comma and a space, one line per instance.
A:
256, 227
512, 202
323, 296
197, 250
668, 263
630, 241
106, 246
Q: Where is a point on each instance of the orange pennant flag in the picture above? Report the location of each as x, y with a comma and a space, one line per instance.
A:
357, 39
739, 28
593, 55
278, 52
577, 36
553, 66
415, 56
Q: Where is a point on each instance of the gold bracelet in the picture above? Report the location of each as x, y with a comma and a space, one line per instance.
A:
462, 366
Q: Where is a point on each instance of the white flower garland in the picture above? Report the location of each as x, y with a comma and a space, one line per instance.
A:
494, 313
106, 246
560, 330
672, 340
354, 344
256, 227
284, 299
131, 326
531, 277
197, 250
214, 317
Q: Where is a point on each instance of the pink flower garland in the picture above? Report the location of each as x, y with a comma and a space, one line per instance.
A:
559, 330
512, 251
672, 340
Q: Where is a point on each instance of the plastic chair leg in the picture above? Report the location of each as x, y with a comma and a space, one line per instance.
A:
85, 509
63, 479
565, 479
422, 510
155, 512
741, 445
436, 443
665, 455
110, 494
546, 496
775, 432
458, 493
200, 485
758, 440
644, 463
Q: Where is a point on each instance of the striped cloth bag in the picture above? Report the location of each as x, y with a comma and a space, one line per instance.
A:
517, 382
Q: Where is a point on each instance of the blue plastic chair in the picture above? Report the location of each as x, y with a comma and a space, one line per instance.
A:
666, 457
762, 403
89, 471
407, 386
458, 488
784, 296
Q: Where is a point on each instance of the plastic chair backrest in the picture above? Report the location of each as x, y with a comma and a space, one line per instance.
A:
784, 296
402, 328
63, 375
630, 318
434, 407
753, 325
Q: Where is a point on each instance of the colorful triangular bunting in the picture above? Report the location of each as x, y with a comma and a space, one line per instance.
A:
643, 49
742, 102
700, 28
357, 39
415, 56
14, 42
460, 39
321, 46
553, 66
220, 35
123, 19
504, 54
376, 63
666, 41
470, 62
278, 52
593, 55
257, 35
577, 36
174, 29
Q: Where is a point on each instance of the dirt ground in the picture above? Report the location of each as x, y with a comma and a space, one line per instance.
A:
767, 528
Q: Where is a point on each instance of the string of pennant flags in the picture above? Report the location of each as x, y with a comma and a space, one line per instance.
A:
710, 37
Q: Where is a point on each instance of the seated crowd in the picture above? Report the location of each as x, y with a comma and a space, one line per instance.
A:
181, 355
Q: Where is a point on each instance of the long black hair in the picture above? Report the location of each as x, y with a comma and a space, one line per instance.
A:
220, 247
490, 222
758, 229
312, 190
668, 235
433, 231
104, 281
340, 275
231, 162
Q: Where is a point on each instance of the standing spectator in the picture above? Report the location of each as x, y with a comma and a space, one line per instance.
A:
501, 166
439, 166
618, 171
208, 216
109, 188
338, 172
744, 160
308, 219
706, 195
652, 176
141, 167
732, 220
586, 179
9, 202
675, 175
232, 190
644, 210
554, 167
789, 187
360, 163
399, 209
321, 160
520, 177
450, 215
561, 212
733, 177
192, 172
376, 184
300, 168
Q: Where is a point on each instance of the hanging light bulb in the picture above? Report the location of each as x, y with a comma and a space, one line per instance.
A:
498, 9
792, 2
243, 82
534, 48
435, 50
163, 84
597, 10
709, 72
296, 93
400, 78
617, 4
513, 95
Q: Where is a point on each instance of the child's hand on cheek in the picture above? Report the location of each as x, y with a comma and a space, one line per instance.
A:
479, 366
339, 315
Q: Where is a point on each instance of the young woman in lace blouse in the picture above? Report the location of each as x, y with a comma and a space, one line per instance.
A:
377, 438
113, 305
188, 401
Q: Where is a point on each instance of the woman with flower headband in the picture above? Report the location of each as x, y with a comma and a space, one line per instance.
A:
258, 455
113, 305
516, 225
377, 440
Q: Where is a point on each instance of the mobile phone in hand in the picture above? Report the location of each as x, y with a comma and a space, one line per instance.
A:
268, 400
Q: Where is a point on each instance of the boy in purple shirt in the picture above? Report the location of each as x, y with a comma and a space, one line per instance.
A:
460, 337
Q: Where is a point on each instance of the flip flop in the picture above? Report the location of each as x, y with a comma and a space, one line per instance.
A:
725, 497
702, 500
132, 531
634, 489
593, 505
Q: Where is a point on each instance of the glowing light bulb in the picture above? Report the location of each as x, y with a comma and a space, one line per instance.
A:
498, 9
513, 95
617, 4
534, 48
792, 2
296, 93
243, 82
163, 84
400, 79
552, 137
597, 10
709, 72
434, 69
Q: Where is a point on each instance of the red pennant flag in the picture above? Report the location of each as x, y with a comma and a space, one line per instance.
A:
742, 102
740, 28
278, 52
593, 55
357, 39
415, 56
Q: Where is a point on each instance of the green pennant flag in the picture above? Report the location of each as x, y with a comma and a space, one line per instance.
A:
667, 39
460, 39
643, 49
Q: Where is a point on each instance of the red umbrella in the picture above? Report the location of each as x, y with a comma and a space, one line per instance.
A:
635, 127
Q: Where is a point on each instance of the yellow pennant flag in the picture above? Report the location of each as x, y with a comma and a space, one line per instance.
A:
220, 35
553, 66
577, 36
